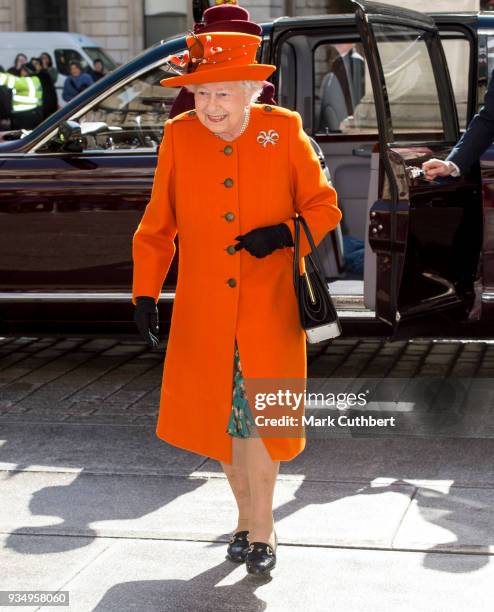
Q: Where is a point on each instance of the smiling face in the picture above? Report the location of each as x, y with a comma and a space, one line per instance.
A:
220, 106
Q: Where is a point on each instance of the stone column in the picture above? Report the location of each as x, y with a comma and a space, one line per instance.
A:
12, 16
117, 25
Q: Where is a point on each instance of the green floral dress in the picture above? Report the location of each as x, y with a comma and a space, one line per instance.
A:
241, 419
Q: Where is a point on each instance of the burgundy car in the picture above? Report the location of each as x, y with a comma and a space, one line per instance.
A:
380, 90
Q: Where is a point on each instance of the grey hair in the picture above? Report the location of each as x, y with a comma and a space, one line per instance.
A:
253, 87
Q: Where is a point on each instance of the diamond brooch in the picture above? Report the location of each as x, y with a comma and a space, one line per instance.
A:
265, 138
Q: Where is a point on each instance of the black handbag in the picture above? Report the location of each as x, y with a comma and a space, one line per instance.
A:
317, 312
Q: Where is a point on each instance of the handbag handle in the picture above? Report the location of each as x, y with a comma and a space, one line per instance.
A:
313, 255
296, 269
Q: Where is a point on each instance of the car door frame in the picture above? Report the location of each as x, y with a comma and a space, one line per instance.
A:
392, 249
465, 24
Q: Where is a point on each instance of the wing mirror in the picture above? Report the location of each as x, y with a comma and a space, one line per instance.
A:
69, 137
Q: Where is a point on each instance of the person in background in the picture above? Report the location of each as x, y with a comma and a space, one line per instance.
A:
341, 88
98, 71
20, 59
48, 66
475, 141
50, 101
77, 81
27, 97
36, 62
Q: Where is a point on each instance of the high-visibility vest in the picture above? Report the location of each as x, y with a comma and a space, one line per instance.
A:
27, 92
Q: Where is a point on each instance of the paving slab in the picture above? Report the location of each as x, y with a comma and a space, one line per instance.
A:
106, 505
448, 518
45, 563
159, 576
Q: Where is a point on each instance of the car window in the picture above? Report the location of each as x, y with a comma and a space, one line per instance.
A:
410, 83
328, 95
341, 85
130, 117
457, 51
287, 78
63, 57
486, 65
489, 41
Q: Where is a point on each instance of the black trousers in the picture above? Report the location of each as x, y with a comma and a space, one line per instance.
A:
27, 120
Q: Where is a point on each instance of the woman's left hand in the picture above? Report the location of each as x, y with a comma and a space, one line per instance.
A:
262, 241
146, 319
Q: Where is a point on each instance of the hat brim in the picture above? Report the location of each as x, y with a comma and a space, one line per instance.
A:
254, 72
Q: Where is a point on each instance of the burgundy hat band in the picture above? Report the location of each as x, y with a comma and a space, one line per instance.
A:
245, 27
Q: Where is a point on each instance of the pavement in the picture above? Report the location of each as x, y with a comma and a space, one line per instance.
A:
94, 504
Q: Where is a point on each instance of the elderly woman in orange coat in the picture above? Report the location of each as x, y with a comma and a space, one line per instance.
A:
230, 177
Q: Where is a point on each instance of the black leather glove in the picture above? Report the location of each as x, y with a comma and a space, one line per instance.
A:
146, 318
264, 240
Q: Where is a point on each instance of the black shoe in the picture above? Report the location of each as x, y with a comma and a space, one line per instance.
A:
261, 558
237, 548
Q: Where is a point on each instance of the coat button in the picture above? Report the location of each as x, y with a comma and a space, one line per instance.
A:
268, 109
232, 282
228, 150
228, 182
230, 249
229, 216
192, 113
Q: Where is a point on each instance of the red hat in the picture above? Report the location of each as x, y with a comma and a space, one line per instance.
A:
227, 18
218, 56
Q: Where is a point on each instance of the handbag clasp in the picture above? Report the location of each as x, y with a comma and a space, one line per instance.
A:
309, 287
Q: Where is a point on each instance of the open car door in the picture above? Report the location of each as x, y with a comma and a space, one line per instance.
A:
426, 235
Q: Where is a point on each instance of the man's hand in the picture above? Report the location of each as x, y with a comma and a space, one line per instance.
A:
436, 167
262, 241
146, 318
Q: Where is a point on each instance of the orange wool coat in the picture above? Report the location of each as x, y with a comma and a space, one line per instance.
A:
222, 295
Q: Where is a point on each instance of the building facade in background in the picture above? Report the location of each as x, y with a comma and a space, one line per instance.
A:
125, 27
117, 25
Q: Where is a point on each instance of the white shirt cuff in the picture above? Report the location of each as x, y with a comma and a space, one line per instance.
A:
456, 170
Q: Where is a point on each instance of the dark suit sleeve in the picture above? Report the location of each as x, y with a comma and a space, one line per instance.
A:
478, 136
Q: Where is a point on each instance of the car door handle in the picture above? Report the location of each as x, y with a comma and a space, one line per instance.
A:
414, 173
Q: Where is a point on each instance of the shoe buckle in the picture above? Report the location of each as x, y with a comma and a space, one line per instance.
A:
266, 549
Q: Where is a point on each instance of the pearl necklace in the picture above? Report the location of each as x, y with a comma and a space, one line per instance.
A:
246, 121
244, 124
